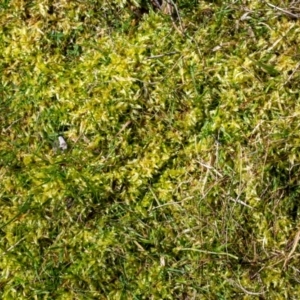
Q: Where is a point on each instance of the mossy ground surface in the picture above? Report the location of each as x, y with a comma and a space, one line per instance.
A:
181, 177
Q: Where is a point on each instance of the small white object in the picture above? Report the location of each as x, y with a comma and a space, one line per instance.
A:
162, 261
217, 48
62, 143
246, 16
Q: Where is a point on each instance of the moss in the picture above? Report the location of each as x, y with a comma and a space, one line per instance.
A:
179, 179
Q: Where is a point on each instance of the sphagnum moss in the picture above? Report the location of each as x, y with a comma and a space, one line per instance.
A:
179, 179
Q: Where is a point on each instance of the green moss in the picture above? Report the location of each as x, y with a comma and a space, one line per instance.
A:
180, 176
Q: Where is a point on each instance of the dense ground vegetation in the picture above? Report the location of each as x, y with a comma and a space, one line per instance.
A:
180, 180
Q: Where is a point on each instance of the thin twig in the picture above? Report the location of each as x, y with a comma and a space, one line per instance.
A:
171, 203
294, 71
13, 246
157, 4
295, 16
14, 122
161, 55
178, 15
123, 127
207, 252
241, 202
209, 167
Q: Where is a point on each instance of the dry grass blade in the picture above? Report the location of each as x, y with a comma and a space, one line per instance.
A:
231, 281
286, 12
293, 249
